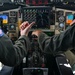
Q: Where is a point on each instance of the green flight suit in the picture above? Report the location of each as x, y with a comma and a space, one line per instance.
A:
10, 54
62, 42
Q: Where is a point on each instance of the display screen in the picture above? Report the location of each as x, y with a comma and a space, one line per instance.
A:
5, 19
40, 15
42, 20
69, 18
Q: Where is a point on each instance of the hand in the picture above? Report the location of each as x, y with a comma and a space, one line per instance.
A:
72, 22
37, 32
25, 27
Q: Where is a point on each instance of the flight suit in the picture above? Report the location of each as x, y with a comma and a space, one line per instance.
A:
10, 54
59, 43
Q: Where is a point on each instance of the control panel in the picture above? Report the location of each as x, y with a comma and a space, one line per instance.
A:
35, 71
35, 56
18, 1
46, 2
9, 23
60, 21
35, 60
39, 14
37, 2
63, 19
5, 1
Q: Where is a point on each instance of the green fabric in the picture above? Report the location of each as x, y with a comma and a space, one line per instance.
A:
62, 42
10, 54
56, 43
71, 57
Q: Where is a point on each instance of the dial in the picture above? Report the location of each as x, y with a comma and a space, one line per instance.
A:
61, 19
61, 25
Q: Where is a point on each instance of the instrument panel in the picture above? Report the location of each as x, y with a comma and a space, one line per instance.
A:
37, 2
44, 18
39, 14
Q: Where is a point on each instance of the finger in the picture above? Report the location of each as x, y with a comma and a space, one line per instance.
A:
31, 24
22, 27
72, 22
25, 24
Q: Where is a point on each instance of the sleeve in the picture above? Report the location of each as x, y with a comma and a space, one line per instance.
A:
61, 42
10, 54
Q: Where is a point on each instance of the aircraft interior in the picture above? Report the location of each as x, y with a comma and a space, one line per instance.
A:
52, 17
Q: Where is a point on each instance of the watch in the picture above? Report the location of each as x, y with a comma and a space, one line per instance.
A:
1, 33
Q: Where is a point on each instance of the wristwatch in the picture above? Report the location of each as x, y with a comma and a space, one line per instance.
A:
1, 33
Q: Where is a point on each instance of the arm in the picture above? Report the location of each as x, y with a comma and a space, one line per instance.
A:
10, 54
63, 41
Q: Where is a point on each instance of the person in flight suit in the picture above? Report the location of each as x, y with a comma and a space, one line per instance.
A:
12, 55
62, 42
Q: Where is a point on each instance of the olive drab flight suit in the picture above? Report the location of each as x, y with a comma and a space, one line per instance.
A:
10, 54
62, 42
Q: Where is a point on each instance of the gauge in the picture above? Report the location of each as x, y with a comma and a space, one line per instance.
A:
12, 27
13, 13
12, 19
61, 19
61, 25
